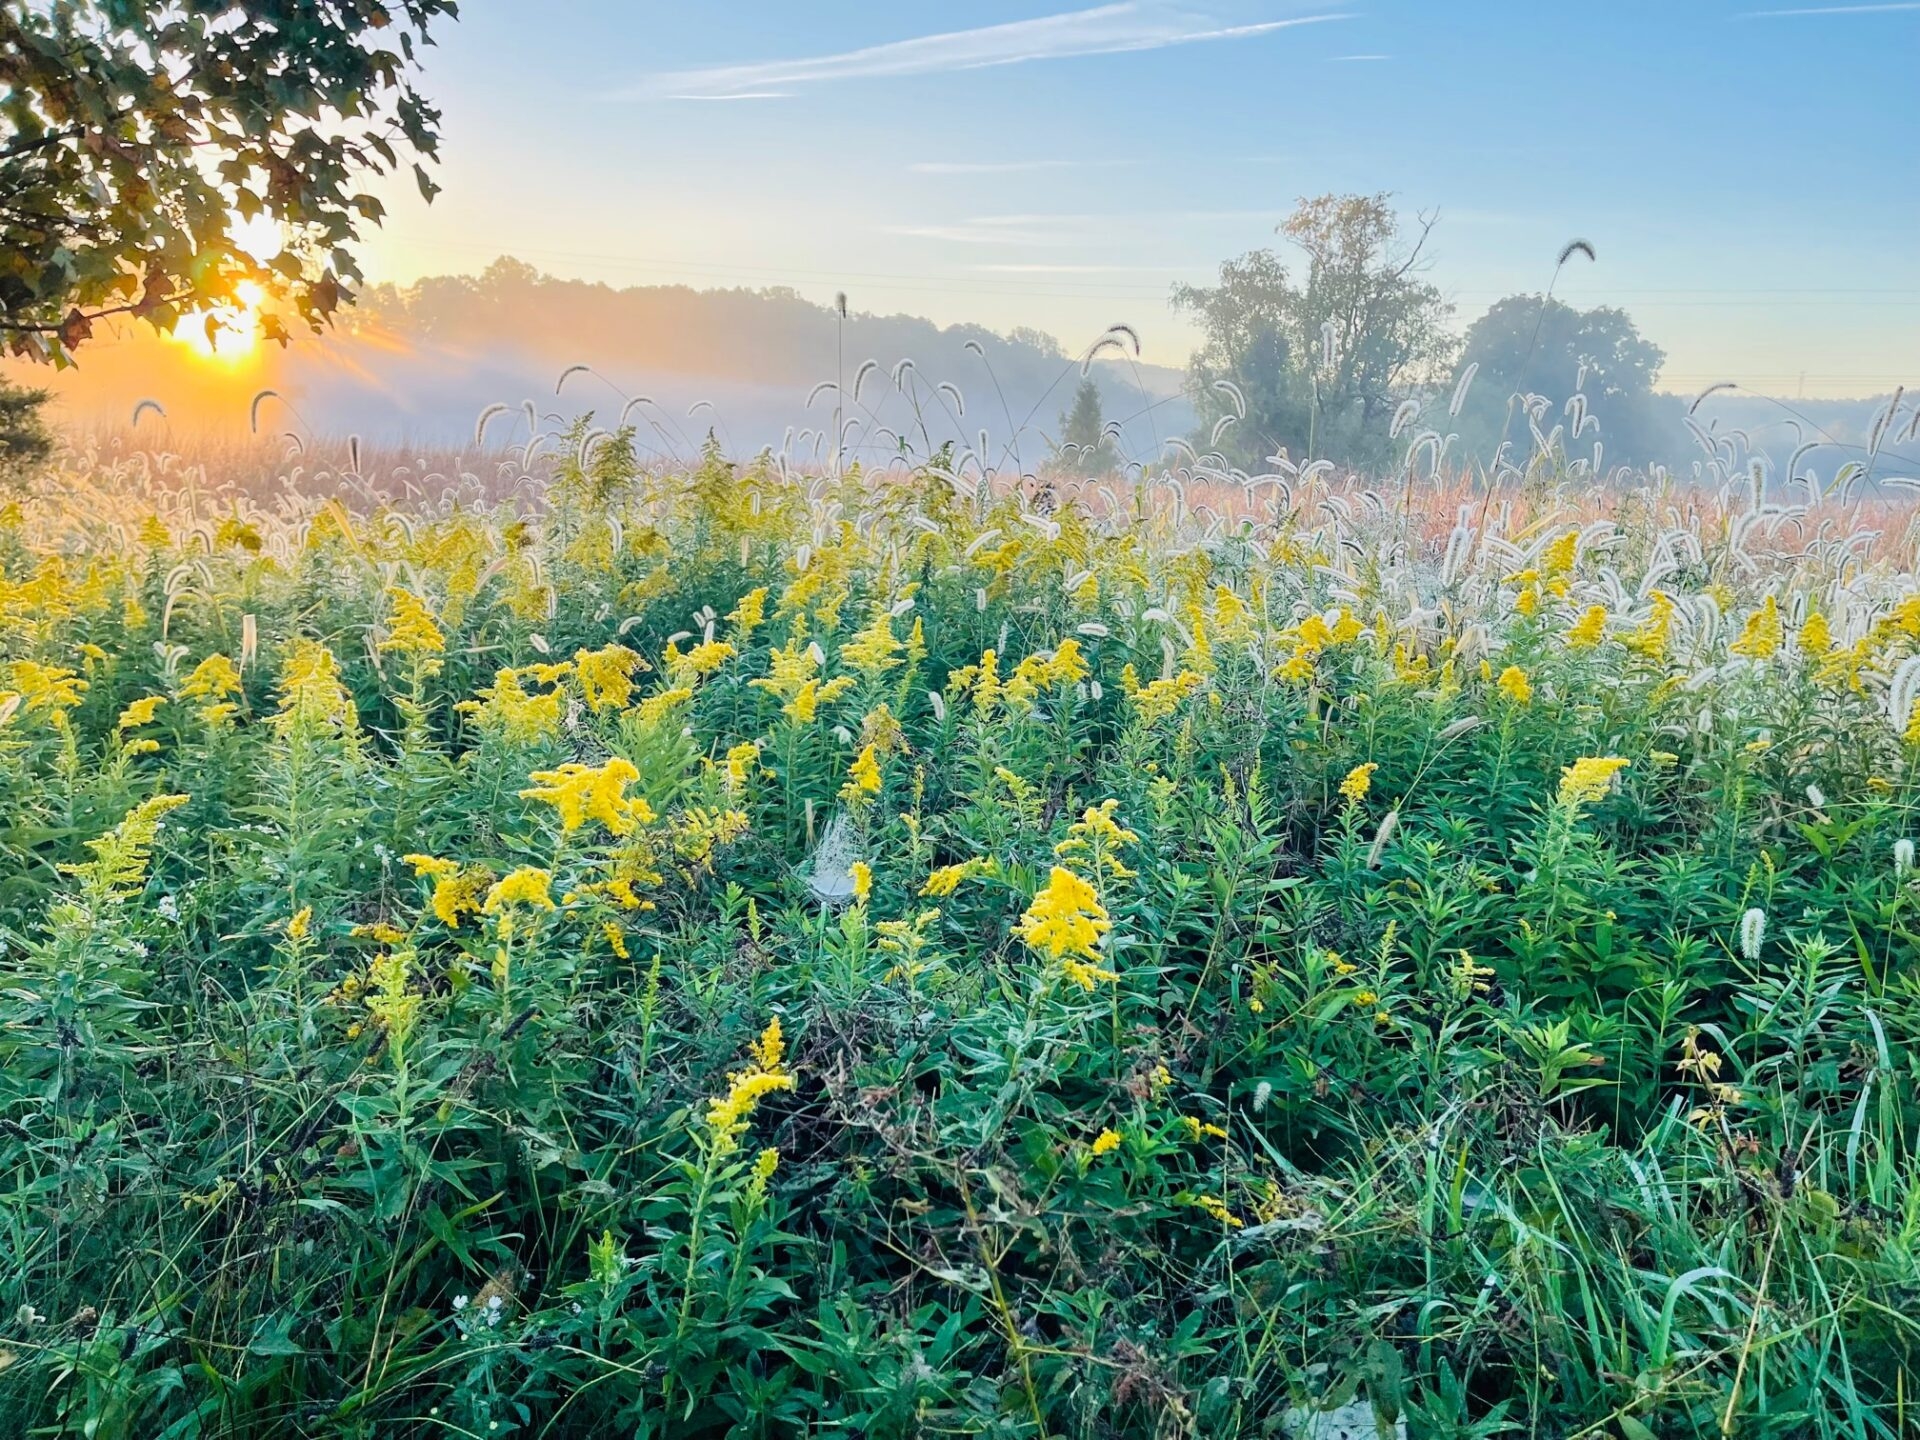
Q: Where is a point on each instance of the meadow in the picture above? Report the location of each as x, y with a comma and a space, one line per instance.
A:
724, 949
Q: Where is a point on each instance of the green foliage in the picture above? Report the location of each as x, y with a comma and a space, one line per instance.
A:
415, 1073
134, 137
25, 441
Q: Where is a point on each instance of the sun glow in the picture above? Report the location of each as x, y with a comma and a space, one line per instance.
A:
226, 333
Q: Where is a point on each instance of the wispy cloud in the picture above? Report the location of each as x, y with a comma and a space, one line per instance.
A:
1005, 167
977, 233
1102, 30
1884, 9
1362, 57
740, 95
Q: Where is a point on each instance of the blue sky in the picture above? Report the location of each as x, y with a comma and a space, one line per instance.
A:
1745, 169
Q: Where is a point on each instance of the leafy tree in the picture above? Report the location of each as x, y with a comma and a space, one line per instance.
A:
1084, 428
136, 138
1320, 365
1527, 345
24, 439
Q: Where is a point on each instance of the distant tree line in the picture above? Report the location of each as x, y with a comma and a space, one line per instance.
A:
1316, 365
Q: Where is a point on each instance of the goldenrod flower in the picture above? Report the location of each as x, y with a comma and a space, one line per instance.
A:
119, 866
862, 875
1589, 778
747, 615
139, 712
45, 687
1155, 701
1359, 780
1557, 558
457, 891
606, 676
702, 660
1087, 976
1651, 637
947, 878
1816, 636
212, 680
392, 1000
528, 886
1217, 1208
413, 630
1589, 630
864, 773
874, 650
581, 793
301, 923
1104, 1142
1065, 918
1515, 686
727, 1115
656, 707
1763, 633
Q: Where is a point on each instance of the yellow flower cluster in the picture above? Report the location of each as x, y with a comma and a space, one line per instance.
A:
1359, 780
583, 792
413, 630
728, 1115
1066, 922
1588, 779
1515, 685
606, 676
1763, 634
515, 714
457, 890
1155, 701
946, 879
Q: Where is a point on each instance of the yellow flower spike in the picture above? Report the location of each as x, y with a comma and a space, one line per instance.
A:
658, 706
1589, 630
413, 629
45, 688
1104, 1143
1513, 684
874, 650
946, 879
1157, 700
699, 662
1588, 779
1359, 781
747, 615
1088, 977
528, 886
1652, 636
1816, 636
507, 709
582, 793
606, 676
1557, 559
862, 874
1065, 918
1763, 633
212, 680
301, 924
864, 773
139, 712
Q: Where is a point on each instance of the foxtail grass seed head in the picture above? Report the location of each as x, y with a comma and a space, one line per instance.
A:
1753, 932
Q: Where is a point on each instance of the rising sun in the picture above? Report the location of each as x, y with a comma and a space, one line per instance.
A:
228, 333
